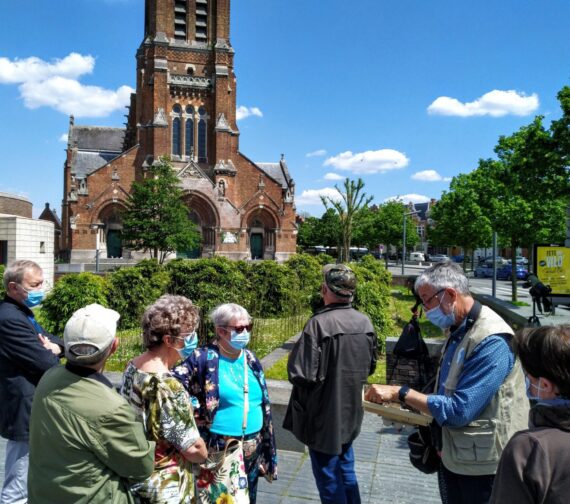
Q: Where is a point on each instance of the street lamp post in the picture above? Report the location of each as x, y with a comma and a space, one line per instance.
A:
404, 239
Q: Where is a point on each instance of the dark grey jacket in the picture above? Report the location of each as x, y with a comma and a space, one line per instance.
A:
328, 366
535, 465
23, 361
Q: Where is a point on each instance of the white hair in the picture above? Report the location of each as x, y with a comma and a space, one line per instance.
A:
442, 276
222, 315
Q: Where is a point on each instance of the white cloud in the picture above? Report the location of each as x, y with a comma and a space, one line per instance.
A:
63, 138
34, 69
409, 198
242, 112
317, 153
495, 103
429, 176
55, 84
369, 162
313, 196
333, 176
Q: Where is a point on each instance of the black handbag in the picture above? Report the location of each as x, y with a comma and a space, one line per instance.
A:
423, 450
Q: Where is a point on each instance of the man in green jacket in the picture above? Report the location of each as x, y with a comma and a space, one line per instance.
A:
85, 442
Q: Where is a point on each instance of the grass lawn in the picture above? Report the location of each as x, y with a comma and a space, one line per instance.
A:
279, 371
402, 300
267, 335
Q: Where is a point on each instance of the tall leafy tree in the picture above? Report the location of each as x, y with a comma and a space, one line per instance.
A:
459, 220
156, 219
320, 231
390, 225
352, 200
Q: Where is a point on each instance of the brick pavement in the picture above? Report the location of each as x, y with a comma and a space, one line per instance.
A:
383, 470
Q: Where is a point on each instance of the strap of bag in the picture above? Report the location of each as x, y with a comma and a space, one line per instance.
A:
245, 394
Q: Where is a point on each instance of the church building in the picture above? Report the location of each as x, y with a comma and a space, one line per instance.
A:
184, 108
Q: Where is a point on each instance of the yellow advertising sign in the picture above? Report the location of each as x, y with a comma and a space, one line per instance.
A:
553, 268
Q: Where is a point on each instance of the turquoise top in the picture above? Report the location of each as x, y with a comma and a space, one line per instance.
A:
229, 417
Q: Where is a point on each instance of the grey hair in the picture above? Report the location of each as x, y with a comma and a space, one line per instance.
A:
442, 276
166, 316
15, 271
223, 314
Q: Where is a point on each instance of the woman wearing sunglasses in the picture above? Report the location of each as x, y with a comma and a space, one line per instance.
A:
216, 376
162, 404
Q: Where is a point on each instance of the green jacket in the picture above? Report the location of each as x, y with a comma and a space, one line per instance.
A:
85, 442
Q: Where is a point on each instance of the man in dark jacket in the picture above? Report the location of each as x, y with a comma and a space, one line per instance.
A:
328, 367
26, 352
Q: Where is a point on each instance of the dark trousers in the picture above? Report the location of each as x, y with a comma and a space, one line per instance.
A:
335, 476
460, 489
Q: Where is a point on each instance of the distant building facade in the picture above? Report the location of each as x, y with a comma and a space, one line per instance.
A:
22, 237
185, 108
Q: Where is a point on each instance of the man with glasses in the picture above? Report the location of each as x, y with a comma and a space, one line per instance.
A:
328, 367
26, 352
479, 398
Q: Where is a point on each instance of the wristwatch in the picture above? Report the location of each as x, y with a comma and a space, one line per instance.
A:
404, 389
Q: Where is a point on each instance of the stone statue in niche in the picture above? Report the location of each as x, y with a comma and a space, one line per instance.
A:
221, 188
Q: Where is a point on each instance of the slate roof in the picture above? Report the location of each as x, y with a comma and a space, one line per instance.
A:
96, 146
97, 138
278, 172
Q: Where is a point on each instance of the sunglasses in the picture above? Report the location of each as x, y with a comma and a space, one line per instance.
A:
241, 328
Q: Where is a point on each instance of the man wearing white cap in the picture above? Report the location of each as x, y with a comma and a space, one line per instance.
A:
85, 442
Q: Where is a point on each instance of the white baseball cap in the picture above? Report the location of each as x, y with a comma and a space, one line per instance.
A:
89, 332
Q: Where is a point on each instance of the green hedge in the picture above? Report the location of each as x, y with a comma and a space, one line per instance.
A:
267, 289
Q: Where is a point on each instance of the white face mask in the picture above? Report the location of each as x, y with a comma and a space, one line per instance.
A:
529, 385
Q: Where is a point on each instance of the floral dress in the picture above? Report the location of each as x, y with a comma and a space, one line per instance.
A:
199, 374
164, 408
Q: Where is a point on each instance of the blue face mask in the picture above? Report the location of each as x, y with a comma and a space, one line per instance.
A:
239, 340
34, 298
529, 386
190, 344
440, 319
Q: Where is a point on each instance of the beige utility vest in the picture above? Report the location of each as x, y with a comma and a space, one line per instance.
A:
475, 448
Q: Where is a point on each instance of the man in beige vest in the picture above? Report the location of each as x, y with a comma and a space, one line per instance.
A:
480, 395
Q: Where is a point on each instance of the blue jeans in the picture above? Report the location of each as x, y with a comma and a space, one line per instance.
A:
15, 489
335, 476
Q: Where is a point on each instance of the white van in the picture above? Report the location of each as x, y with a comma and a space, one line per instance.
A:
417, 256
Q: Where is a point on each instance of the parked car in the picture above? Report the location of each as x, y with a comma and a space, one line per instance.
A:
489, 260
437, 258
522, 260
417, 256
504, 272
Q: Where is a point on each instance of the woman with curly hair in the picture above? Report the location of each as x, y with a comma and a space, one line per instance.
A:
215, 375
164, 407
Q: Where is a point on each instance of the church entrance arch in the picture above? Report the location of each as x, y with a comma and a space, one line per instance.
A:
110, 224
202, 213
261, 228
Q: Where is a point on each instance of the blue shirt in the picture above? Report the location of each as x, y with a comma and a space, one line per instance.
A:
229, 418
483, 374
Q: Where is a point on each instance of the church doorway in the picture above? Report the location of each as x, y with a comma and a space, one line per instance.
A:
256, 245
114, 243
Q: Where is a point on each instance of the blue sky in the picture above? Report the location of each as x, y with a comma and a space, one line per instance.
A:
405, 94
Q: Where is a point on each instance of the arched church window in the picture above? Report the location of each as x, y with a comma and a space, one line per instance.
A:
202, 134
189, 131
176, 126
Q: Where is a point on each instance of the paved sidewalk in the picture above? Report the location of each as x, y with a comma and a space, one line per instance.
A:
384, 473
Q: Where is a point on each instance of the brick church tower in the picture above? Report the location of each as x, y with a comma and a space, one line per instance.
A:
185, 108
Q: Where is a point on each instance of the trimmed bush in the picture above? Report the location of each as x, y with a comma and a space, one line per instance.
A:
208, 282
308, 270
70, 293
131, 290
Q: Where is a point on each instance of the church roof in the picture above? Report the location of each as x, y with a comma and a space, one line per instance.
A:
278, 172
96, 146
97, 138
85, 163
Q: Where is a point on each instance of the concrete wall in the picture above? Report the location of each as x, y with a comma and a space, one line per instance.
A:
30, 239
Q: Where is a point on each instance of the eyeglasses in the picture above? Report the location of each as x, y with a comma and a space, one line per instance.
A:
425, 303
241, 328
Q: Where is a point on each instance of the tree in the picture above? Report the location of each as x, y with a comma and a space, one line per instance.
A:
320, 231
156, 219
351, 202
390, 225
459, 220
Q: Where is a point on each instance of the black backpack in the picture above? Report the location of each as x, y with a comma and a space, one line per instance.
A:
411, 345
